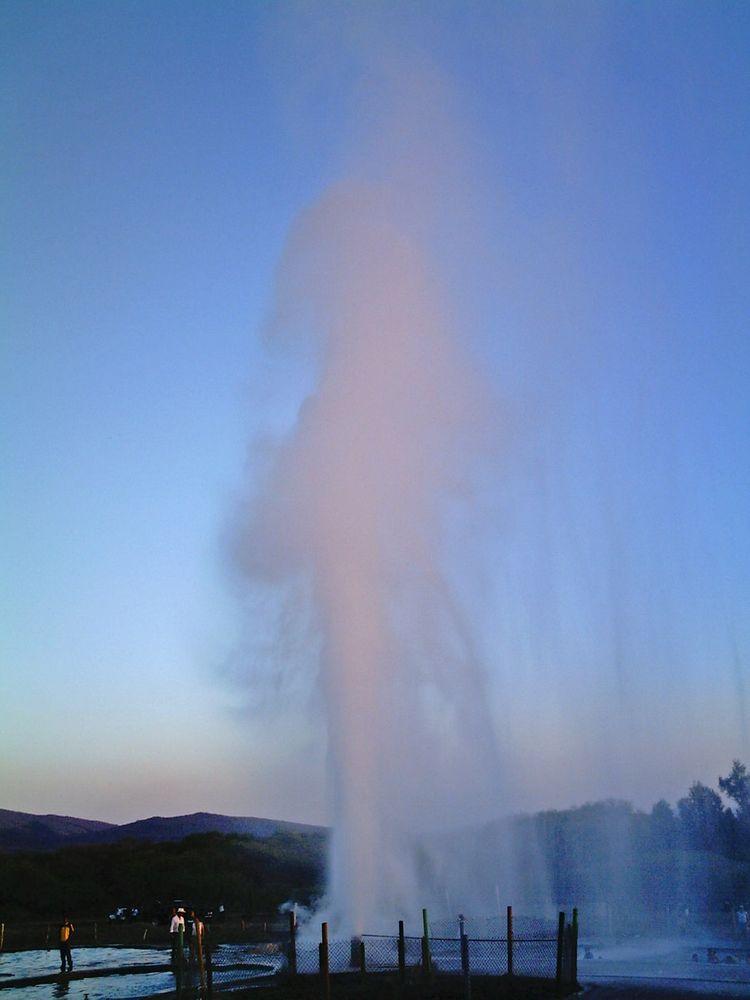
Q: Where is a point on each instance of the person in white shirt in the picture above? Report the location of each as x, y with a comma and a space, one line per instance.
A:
176, 923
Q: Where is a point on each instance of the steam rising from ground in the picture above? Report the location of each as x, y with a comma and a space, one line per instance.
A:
358, 504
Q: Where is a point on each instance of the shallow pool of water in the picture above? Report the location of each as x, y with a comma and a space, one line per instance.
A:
20, 964
102, 988
43, 962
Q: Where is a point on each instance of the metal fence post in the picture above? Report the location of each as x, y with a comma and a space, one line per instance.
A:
426, 961
509, 925
292, 943
362, 958
465, 957
574, 948
324, 964
559, 960
401, 952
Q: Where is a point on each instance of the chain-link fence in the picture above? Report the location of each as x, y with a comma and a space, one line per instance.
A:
307, 958
539, 951
525, 947
494, 927
488, 956
381, 952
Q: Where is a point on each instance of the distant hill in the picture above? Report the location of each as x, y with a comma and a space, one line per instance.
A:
21, 831
160, 828
28, 832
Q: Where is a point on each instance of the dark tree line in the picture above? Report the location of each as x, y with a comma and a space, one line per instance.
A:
628, 866
250, 875
705, 824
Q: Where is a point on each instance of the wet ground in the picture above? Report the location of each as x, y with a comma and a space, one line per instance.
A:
668, 968
665, 989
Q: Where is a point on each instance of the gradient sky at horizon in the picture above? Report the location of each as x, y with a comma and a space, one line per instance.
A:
155, 157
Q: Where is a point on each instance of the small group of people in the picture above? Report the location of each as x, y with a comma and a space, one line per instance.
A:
190, 924
191, 927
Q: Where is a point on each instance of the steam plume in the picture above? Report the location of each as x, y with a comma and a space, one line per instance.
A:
358, 503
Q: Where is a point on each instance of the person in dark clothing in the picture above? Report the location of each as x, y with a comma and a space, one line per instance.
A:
66, 932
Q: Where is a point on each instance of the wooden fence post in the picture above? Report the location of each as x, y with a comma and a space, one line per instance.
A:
198, 931
560, 939
401, 952
2, 936
292, 942
574, 948
509, 928
180, 955
324, 963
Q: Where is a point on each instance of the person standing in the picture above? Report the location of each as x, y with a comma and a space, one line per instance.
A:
66, 932
177, 922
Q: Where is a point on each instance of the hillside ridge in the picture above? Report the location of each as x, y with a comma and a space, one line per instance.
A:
21, 831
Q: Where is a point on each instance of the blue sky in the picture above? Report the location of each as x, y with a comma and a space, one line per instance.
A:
155, 156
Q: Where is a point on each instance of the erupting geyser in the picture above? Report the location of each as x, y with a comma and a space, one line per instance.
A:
356, 509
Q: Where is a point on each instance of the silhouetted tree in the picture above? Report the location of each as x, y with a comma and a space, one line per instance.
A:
663, 827
736, 786
702, 817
